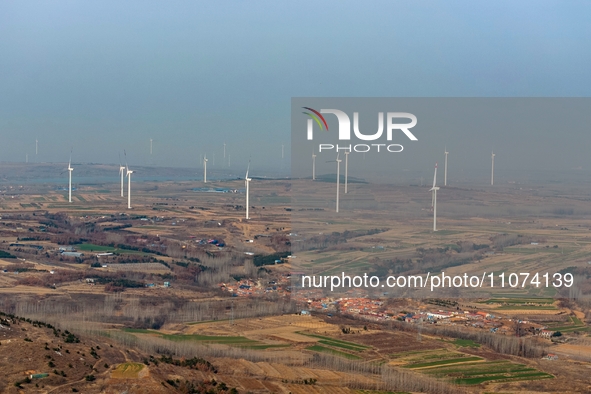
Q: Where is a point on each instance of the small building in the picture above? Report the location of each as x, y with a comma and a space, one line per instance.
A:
546, 334
72, 254
439, 315
551, 356
166, 284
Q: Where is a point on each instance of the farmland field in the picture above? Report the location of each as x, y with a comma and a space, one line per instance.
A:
336, 342
127, 371
477, 373
322, 349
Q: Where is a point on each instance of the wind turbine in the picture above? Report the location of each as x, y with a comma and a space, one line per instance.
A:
445, 171
338, 161
205, 169
492, 170
434, 191
313, 165
247, 184
346, 168
121, 172
128, 174
70, 169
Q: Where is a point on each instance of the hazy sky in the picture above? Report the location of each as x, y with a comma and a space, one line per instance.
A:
101, 76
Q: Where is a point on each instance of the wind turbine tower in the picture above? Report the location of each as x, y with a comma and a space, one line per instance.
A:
338, 180
492, 170
128, 175
338, 161
445, 170
247, 185
70, 169
346, 169
129, 172
205, 169
313, 165
434, 191
122, 173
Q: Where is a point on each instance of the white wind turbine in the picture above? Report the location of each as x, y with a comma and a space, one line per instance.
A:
122, 173
492, 170
346, 169
128, 174
434, 191
70, 169
313, 165
338, 161
205, 169
247, 184
445, 171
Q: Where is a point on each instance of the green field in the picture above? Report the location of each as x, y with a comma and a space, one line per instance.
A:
322, 349
443, 362
140, 331
491, 371
575, 325
105, 249
414, 353
519, 300
336, 342
94, 248
527, 307
465, 343
206, 321
209, 339
263, 347
234, 341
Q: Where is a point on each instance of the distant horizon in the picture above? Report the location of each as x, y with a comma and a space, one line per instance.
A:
106, 76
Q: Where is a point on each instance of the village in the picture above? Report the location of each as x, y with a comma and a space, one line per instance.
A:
428, 312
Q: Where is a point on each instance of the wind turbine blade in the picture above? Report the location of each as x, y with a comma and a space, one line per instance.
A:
247, 169
435, 175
